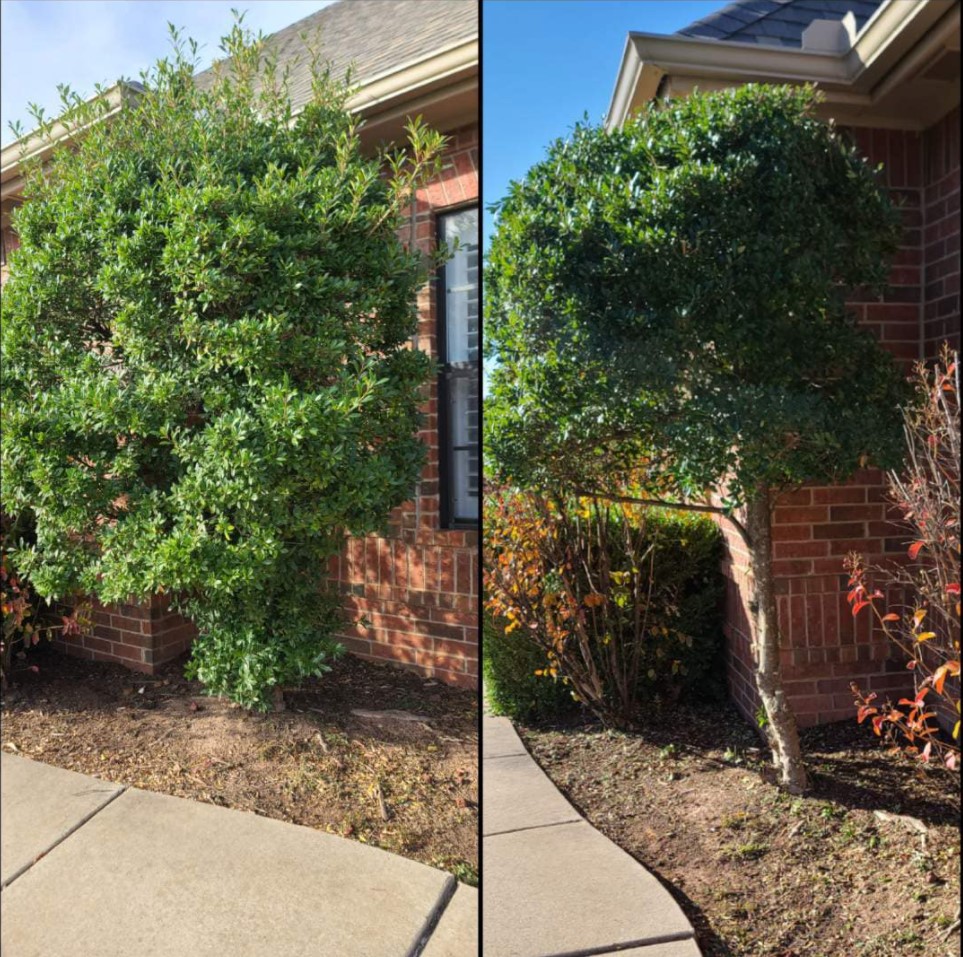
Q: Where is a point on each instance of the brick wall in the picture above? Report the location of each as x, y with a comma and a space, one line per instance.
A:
941, 233
142, 637
823, 647
418, 588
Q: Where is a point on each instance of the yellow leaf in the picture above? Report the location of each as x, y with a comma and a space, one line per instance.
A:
956, 730
926, 636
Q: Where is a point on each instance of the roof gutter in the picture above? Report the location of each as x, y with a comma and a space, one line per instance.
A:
443, 68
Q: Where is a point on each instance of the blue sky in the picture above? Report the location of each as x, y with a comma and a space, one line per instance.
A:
46, 42
546, 62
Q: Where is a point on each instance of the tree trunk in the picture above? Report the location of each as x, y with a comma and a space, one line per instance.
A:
781, 727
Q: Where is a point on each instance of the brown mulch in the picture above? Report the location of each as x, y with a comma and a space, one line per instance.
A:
405, 780
758, 872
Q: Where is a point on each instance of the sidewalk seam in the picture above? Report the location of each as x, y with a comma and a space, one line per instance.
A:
63, 837
434, 917
535, 827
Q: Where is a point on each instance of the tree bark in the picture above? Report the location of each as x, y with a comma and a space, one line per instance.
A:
781, 722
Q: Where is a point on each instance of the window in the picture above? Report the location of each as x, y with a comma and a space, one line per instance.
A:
459, 382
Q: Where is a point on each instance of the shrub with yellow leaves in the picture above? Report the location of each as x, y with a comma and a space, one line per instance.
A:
622, 600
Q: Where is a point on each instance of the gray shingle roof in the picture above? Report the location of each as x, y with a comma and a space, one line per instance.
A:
373, 37
775, 22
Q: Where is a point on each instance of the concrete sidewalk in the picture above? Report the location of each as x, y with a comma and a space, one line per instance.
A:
93, 869
553, 885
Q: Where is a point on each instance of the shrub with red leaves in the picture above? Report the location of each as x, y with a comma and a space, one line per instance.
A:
926, 623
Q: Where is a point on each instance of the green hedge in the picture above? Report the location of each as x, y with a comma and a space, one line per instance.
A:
509, 663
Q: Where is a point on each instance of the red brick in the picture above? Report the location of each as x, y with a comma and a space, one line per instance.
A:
791, 533
839, 495
810, 514
854, 513
839, 530
800, 549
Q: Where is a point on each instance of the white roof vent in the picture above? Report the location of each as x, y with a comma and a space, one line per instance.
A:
830, 36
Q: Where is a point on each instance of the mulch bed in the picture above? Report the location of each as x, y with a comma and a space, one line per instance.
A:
866, 865
404, 778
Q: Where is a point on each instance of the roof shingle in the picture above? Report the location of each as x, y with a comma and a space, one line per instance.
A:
373, 37
775, 22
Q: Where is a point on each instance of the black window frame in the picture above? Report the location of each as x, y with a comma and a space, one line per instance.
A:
448, 371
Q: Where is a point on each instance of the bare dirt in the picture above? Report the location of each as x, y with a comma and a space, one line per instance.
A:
401, 775
866, 865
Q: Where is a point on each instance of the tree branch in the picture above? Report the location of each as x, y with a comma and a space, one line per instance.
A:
683, 506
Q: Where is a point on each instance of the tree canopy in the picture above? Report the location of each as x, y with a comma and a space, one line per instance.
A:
672, 294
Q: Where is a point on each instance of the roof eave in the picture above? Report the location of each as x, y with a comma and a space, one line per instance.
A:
849, 78
419, 87
424, 84
33, 145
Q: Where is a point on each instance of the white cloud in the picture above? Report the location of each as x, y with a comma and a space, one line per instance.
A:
98, 41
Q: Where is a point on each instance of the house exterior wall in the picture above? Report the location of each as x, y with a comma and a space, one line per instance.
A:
941, 234
417, 588
822, 647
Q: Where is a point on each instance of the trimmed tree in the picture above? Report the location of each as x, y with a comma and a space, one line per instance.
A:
208, 378
665, 305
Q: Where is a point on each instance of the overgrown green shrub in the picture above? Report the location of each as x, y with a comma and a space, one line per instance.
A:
622, 602
509, 665
207, 371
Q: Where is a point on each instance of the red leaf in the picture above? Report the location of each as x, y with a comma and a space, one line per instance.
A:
891, 617
953, 589
858, 607
914, 549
